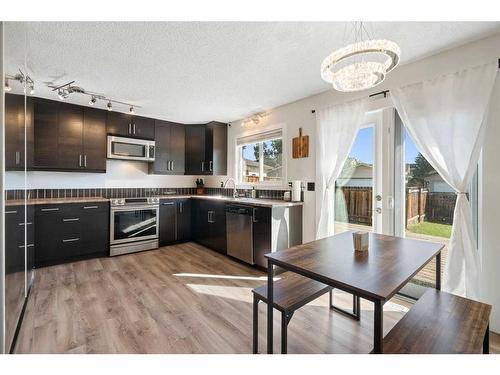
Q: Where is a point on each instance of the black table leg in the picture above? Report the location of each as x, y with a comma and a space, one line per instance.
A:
486, 341
255, 324
378, 330
438, 271
284, 333
270, 304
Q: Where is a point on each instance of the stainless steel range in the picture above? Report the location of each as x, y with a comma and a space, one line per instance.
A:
134, 225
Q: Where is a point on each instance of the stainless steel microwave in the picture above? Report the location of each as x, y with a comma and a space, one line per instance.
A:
131, 149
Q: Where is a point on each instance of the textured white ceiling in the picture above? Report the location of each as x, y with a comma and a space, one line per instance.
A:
195, 72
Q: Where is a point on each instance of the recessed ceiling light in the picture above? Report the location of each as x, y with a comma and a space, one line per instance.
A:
92, 100
6, 87
110, 106
131, 110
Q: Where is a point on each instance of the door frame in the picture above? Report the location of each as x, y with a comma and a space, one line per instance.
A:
383, 122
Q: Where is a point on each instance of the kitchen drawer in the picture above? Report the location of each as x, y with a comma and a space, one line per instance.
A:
48, 209
69, 226
90, 207
70, 247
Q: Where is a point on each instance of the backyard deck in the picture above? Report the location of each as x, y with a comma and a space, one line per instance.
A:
425, 277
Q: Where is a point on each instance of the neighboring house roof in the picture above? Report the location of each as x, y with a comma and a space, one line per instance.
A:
354, 169
252, 167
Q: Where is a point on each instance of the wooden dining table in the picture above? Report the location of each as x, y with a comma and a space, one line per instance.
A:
375, 275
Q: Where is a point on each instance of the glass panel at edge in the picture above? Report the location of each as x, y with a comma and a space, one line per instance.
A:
354, 187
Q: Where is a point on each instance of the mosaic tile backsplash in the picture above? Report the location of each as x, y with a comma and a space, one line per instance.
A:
133, 192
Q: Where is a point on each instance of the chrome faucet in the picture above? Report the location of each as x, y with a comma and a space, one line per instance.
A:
224, 185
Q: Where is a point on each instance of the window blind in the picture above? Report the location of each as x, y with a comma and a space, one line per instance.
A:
260, 137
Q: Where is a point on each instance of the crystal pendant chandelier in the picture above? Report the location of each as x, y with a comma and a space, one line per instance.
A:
362, 64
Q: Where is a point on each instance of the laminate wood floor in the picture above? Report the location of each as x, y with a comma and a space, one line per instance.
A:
178, 299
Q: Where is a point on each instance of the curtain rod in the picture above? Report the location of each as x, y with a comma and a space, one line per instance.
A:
385, 92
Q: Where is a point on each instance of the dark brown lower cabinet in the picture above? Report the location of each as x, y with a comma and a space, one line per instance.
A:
175, 221
167, 220
209, 224
184, 208
66, 232
261, 234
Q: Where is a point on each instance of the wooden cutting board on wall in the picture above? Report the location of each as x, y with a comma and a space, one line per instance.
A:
300, 146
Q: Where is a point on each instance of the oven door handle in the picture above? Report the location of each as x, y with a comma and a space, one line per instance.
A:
134, 208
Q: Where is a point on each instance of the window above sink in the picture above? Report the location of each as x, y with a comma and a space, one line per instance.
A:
260, 159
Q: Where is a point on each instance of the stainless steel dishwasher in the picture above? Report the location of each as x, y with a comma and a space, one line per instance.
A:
239, 229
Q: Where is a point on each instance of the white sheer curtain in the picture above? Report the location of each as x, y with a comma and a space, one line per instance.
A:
336, 129
444, 117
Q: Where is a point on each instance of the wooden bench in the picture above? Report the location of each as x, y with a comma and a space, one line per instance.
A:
291, 292
441, 323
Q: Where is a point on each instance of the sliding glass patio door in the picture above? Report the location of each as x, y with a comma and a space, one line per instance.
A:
387, 186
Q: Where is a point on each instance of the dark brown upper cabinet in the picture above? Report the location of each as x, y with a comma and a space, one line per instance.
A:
170, 145
69, 137
14, 132
127, 125
94, 139
46, 131
206, 149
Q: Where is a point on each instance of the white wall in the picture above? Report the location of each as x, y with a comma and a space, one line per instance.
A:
119, 174
298, 114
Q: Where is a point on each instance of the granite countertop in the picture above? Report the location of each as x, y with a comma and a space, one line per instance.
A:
249, 201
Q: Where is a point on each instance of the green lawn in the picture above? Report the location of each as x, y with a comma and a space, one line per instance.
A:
431, 229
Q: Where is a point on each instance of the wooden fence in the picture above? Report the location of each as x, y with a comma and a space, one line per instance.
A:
421, 205
440, 207
359, 205
416, 201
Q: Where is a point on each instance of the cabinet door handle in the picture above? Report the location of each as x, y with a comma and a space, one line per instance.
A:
90, 207
180, 207
49, 209
18, 157
254, 219
72, 219
85, 160
129, 128
28, 223
11, 212
80, 160
172, 165
29, 245
203, 166
134, 129
210, 165
167, 203
71, 240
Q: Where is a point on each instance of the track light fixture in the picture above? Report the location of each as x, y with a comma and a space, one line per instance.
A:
26, 81
63, 91
6, 87
62, 94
